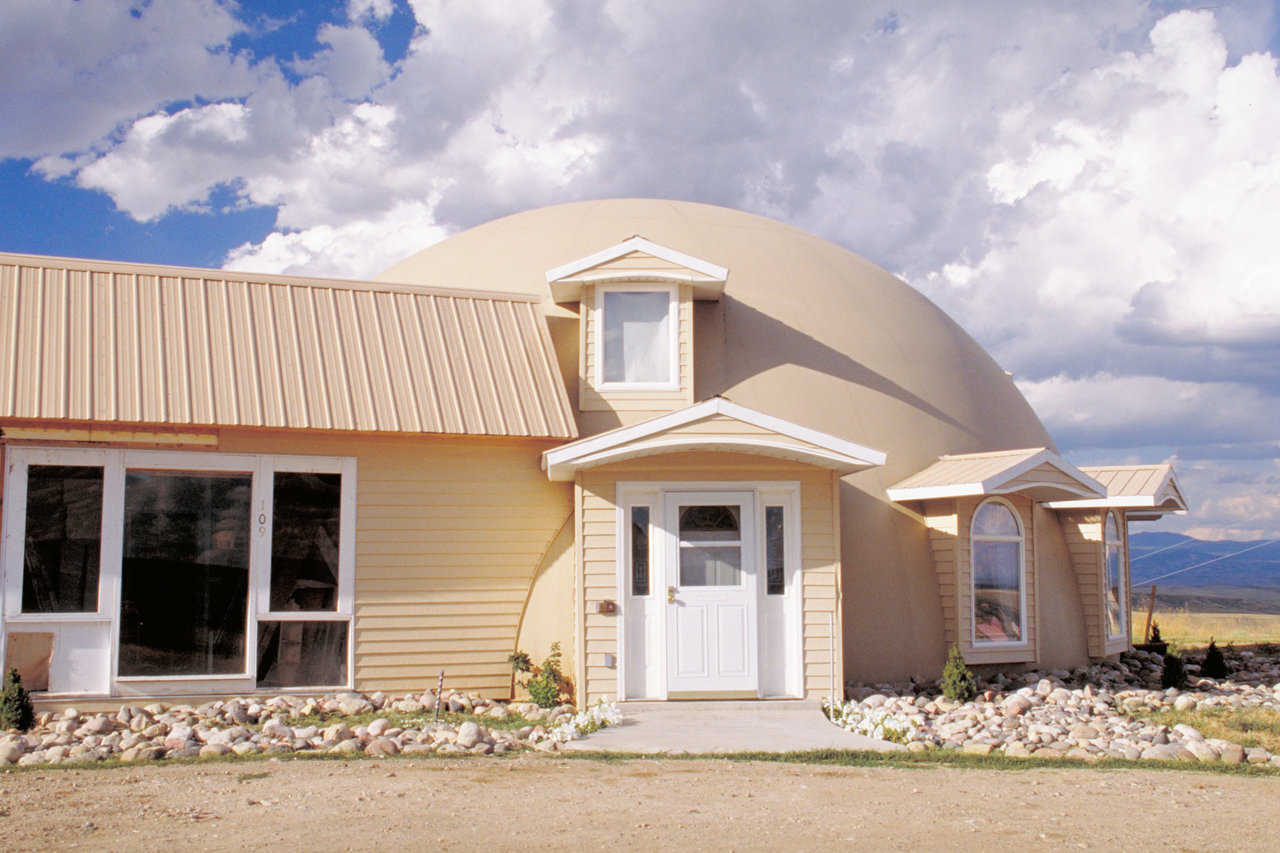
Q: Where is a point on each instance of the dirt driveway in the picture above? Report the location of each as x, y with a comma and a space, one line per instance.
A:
535, 802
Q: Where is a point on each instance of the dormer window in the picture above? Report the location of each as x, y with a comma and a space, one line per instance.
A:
637, 331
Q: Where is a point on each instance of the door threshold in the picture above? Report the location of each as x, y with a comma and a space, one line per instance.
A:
679, 695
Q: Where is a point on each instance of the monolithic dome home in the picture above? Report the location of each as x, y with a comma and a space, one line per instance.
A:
708, 454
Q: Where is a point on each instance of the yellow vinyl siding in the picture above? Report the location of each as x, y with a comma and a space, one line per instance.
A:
940, 518
591, 399
819, 553
1083, 531
1041, 474
449, 533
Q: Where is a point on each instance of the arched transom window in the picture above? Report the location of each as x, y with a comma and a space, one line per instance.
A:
1115, 578
998, 576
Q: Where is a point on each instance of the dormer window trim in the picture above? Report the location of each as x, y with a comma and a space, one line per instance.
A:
673, 337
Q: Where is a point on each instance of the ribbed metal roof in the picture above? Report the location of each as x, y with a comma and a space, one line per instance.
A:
1130, 480
127, 343
967, 468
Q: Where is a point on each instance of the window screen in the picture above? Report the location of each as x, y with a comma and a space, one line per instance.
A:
637, 336
997, 575
63, 539
302, 654
304, 541
185, 573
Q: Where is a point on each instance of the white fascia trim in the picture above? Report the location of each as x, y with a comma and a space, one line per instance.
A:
925, 493
994, 484
571, 453
676, 444
637, 244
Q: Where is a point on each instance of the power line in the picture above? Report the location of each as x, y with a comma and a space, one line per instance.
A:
1160, 550
1205, 563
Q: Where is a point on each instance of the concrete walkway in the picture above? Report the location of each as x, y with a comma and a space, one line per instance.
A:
702, 727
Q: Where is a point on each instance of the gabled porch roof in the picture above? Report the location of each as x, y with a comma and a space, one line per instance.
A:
1144, 492
712, 425
1035, 471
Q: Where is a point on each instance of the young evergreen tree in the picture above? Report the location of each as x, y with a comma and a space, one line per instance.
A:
1173, 674
958, 683
1215, 665
16, 711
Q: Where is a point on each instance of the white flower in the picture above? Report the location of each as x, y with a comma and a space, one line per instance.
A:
597, 717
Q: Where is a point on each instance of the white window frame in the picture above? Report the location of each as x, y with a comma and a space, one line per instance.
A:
673, 327
115, 464
1021, 539
1119, 543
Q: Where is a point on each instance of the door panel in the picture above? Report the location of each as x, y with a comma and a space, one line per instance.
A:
712, 593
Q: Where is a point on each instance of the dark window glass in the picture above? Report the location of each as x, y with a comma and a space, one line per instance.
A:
774, 551
302, 654
304, 541
185, 573
63, 539
639, 550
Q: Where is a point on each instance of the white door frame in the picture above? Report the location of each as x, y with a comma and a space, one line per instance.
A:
785, 493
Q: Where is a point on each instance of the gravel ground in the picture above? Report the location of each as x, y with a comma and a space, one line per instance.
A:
542, 802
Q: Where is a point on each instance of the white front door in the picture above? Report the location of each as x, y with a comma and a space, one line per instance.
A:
711, 595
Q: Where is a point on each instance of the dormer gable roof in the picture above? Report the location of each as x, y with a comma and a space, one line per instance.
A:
1144, 492
1036, 471
636, 259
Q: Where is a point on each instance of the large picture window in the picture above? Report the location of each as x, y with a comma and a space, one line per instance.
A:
1115, 578
997, 549
184, 565
637, 342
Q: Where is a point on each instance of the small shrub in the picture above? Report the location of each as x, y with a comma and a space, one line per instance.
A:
1215, 665
1173, 674
958, 683
520, 662
547, 681
16, 711
1155, 633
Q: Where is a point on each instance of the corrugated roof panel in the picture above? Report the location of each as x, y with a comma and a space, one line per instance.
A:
122, 343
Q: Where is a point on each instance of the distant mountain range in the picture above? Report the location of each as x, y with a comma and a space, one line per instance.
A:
1242, 577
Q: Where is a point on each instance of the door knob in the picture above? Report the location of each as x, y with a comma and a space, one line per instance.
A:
671, 595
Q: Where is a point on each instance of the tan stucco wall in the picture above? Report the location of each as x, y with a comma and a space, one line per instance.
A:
548, 614
1062, 638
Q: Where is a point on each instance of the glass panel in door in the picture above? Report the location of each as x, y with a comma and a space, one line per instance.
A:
710, 545
184, 573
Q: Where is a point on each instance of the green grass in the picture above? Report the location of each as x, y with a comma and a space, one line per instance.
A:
1245, 726
824, 757
1183, 629
406, 721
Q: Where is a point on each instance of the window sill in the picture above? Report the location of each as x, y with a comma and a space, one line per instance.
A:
133, 679
54, 618
637, 388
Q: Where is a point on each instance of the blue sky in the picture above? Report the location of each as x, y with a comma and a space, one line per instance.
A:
1091, 189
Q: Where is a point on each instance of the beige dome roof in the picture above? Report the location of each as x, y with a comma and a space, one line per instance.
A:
805, 330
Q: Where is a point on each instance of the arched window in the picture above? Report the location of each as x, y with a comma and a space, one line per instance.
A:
1115, 593
998, 577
